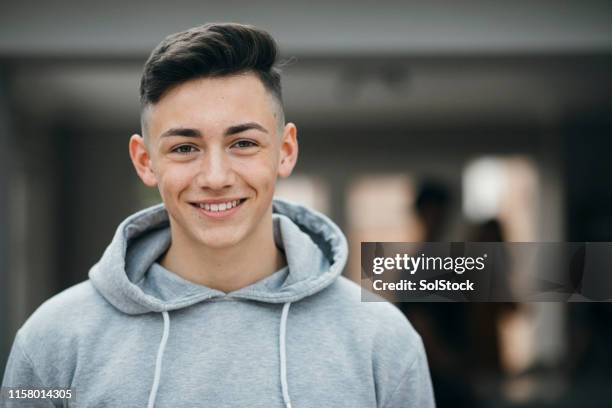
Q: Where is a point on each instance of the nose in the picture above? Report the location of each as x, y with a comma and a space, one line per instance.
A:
215, 170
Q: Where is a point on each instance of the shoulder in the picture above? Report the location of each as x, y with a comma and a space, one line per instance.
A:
350, 297
382, 322
379, 330
51, 337
61, 317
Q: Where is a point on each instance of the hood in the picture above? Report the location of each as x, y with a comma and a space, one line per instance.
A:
130, 279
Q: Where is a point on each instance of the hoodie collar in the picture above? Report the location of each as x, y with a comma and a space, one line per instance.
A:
129, 277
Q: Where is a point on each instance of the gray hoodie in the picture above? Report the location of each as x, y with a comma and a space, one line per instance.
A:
138, 335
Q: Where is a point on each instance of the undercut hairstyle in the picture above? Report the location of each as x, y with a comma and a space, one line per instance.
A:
211, 50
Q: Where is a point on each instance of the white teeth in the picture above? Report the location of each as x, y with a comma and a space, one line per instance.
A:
219, 206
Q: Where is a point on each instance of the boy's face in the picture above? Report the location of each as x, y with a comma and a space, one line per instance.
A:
214, 151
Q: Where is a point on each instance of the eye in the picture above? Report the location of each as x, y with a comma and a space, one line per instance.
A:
243, 144
184, 149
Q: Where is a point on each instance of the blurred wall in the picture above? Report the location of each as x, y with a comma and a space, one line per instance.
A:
5, 233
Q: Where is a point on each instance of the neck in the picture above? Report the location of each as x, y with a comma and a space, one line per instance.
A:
225, 269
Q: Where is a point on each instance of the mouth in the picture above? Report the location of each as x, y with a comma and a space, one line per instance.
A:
219, 209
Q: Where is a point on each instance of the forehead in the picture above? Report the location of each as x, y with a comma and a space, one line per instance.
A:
211, 102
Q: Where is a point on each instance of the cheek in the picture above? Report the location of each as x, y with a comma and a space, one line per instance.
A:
259, 174
173, 180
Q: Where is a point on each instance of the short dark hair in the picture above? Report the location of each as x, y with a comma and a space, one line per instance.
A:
211, 50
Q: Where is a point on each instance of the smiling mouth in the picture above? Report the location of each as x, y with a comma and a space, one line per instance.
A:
220, 208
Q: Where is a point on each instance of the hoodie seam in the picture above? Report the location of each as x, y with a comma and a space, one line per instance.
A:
311, 291
161, 306
405, 374
253, 296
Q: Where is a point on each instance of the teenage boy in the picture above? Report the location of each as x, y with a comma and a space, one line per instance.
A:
220, 296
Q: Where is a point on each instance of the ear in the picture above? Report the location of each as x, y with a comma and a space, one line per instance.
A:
141, 160
288, 151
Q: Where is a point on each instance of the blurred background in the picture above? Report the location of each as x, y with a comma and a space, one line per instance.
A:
418, 121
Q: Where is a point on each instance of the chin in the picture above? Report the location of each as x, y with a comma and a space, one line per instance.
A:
220, 240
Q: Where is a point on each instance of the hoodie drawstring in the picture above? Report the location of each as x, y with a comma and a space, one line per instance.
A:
282, 350
283, 355
158, 363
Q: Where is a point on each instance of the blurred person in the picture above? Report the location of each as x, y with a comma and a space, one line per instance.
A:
221, 295
486, 318
443, 326
432, 207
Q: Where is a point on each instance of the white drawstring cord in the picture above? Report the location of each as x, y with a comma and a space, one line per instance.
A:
283, 355
158, 363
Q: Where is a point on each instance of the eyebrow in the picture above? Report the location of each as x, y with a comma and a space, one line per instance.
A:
186, 132
232, 130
